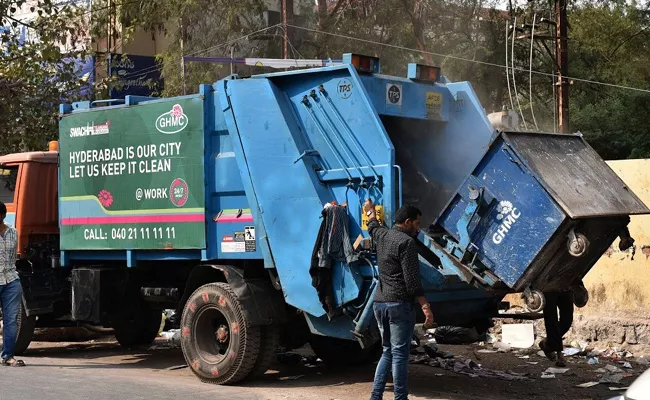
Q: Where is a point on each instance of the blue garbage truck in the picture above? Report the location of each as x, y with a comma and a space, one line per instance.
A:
241, 207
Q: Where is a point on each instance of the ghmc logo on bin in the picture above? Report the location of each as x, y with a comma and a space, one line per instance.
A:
173, 121
507, 216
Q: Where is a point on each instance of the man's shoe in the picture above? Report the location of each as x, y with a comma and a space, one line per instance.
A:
549, 354
561, 361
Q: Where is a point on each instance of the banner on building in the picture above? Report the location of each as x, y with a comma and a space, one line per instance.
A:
136, 76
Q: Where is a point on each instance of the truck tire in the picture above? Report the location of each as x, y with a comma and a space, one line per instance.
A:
341, 352
218, 343
268, 350
137, 328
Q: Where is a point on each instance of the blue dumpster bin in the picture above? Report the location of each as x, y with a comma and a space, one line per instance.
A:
536, 214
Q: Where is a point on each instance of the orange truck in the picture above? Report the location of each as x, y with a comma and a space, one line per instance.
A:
33, 176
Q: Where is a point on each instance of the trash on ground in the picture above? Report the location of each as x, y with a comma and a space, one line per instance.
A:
456, 335
169, 335
593, 361
580, 345
490, 338
501, 347
173, 336
532, 362
520, 336
175, 367
432, 351
627, 365
587, 384
612, 378
613, 368
524, 357
570, 351
601, 371
467, 367
613, 389
290, 378
541, 354
552, 370
547, 376
486, 351
615, 353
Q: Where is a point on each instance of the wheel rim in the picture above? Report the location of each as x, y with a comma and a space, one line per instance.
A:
211, 334
535, 301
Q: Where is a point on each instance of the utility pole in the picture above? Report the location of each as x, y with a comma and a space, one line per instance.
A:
562, 57
285, 41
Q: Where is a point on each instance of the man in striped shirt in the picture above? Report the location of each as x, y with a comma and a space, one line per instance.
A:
11, 291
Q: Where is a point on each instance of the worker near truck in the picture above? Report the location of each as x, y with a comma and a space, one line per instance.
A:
398, 288
11, 291
562, 301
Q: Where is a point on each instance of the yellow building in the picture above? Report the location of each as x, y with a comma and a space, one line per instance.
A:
621, 280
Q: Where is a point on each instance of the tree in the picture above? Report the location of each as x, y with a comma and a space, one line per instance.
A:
466, 38
38, 70
195, 27
610, 42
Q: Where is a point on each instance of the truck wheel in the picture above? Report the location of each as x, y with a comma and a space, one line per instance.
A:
218, 343
341, 352
268, 350
535, 301
138, 327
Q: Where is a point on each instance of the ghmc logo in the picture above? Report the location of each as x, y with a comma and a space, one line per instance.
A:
173, 121
507, 217
504, 208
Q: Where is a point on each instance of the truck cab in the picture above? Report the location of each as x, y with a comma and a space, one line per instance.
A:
29, 189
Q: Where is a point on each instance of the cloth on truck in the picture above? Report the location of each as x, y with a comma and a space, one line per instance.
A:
335, 244
332, 244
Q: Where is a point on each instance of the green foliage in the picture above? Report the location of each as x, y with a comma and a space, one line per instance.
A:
609, 41
33, 77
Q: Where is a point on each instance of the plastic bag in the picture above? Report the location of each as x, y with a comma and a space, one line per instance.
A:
456, 335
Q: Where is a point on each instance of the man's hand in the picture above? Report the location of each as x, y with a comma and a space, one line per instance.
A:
368, 206
428, 315
369, 209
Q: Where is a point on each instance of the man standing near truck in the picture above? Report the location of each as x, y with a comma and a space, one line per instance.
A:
11, 291
398, 288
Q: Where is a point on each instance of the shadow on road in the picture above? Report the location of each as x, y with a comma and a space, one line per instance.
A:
426, 382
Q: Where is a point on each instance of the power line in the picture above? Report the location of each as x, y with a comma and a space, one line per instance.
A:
548, 74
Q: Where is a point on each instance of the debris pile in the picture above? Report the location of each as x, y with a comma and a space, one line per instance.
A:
430, 355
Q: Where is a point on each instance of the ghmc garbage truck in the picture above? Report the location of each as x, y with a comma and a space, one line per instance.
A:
212, 204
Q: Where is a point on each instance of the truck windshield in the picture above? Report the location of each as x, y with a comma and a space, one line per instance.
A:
8, 177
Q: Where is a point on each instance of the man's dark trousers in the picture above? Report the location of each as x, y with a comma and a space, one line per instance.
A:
557, 328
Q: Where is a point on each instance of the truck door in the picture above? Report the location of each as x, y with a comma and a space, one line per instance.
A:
8, 182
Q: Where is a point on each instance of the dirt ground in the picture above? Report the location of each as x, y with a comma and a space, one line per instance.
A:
317, 381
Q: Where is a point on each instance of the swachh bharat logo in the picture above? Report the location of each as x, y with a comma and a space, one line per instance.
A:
172, 121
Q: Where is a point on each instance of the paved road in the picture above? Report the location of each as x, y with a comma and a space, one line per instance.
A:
104, 371
107, 374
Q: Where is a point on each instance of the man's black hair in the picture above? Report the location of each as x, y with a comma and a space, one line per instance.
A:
407, 212
3, 208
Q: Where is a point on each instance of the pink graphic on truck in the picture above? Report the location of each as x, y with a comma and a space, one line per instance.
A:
179, 192
105, 198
